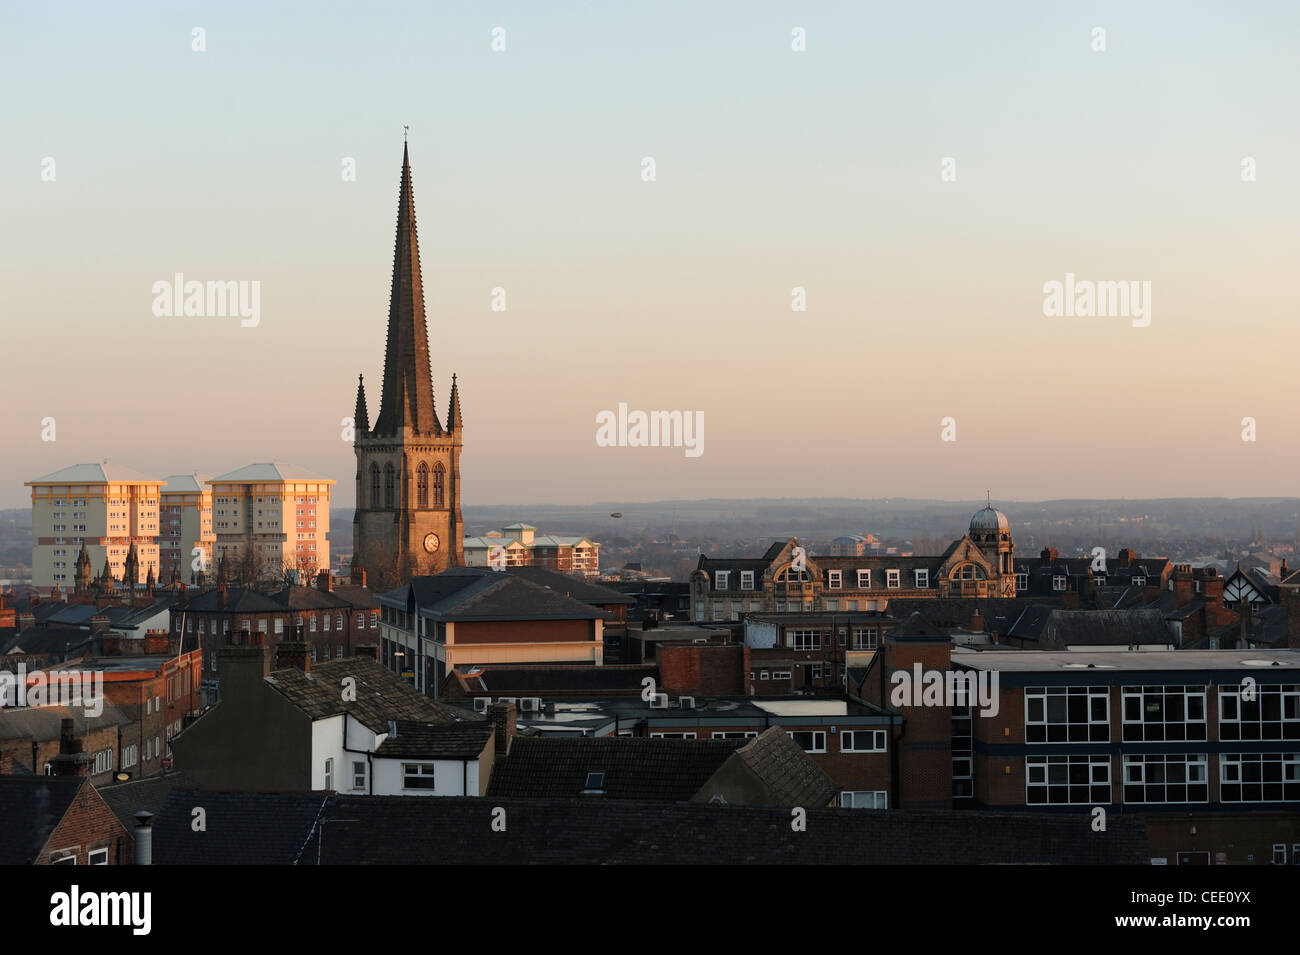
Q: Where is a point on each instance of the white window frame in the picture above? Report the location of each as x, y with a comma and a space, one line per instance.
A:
329, 772
422, 771
721, 580
834, 579
880, 796
814, 734
922, 579
102, 853
893, 579
864, 579
746, 580
879, 741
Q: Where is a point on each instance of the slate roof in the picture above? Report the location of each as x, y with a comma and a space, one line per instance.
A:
1268, 628
381, 694
419, 740
141, 795
570, 585
249, 828
45, 640
1054, 628
238, 600
31, 808
634, 768
476, 593
243, 828
45, 723
999, 613
792, 777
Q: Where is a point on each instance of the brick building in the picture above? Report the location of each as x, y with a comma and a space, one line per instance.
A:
787, 578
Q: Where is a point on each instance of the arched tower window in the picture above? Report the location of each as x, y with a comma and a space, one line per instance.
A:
439, 485
390, 487
374, 485
422, 485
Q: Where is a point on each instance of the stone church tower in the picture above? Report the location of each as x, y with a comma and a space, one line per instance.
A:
408, 465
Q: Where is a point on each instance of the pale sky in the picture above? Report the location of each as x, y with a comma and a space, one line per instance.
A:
775, 169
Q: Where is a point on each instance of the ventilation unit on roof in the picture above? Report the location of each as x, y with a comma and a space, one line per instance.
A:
481, 703
686, 702
530, 704
659, 701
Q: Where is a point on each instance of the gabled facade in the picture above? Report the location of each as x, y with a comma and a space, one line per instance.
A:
789, 580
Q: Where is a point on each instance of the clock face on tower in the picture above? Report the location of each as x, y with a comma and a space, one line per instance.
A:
430, 542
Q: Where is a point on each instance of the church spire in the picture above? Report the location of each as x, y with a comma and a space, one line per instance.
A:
361, 418
407, 399
453, 407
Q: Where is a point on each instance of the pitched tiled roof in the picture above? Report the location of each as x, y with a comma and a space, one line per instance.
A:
31, 808
242, 828
381, 695
419, 740
571, 585
634, 768
476, 593
247, 828
238, 600
45, 723
141, 795
791, 776
1054, 628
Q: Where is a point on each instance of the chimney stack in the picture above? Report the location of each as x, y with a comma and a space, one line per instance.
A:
144, 838
1212, 586
71, 761
506, 721
358, 576
243, 667
293, 653
324, 582
1049, 554
1184, 590
221, 596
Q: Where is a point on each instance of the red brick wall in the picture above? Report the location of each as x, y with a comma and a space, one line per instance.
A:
702, 670
89, 824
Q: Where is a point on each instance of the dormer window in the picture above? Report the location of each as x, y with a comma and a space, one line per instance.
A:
721, 578
1059, 582
834, 579
922, 579
746, 580
892, 579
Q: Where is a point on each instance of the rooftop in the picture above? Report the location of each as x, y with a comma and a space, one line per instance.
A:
102, 473
269, 471
1029, 661
287, 828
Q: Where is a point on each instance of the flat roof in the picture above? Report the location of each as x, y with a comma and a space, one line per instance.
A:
1128, 660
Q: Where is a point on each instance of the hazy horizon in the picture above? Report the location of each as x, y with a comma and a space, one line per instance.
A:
775, 169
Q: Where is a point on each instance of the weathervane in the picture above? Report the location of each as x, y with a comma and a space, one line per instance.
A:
405, 130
